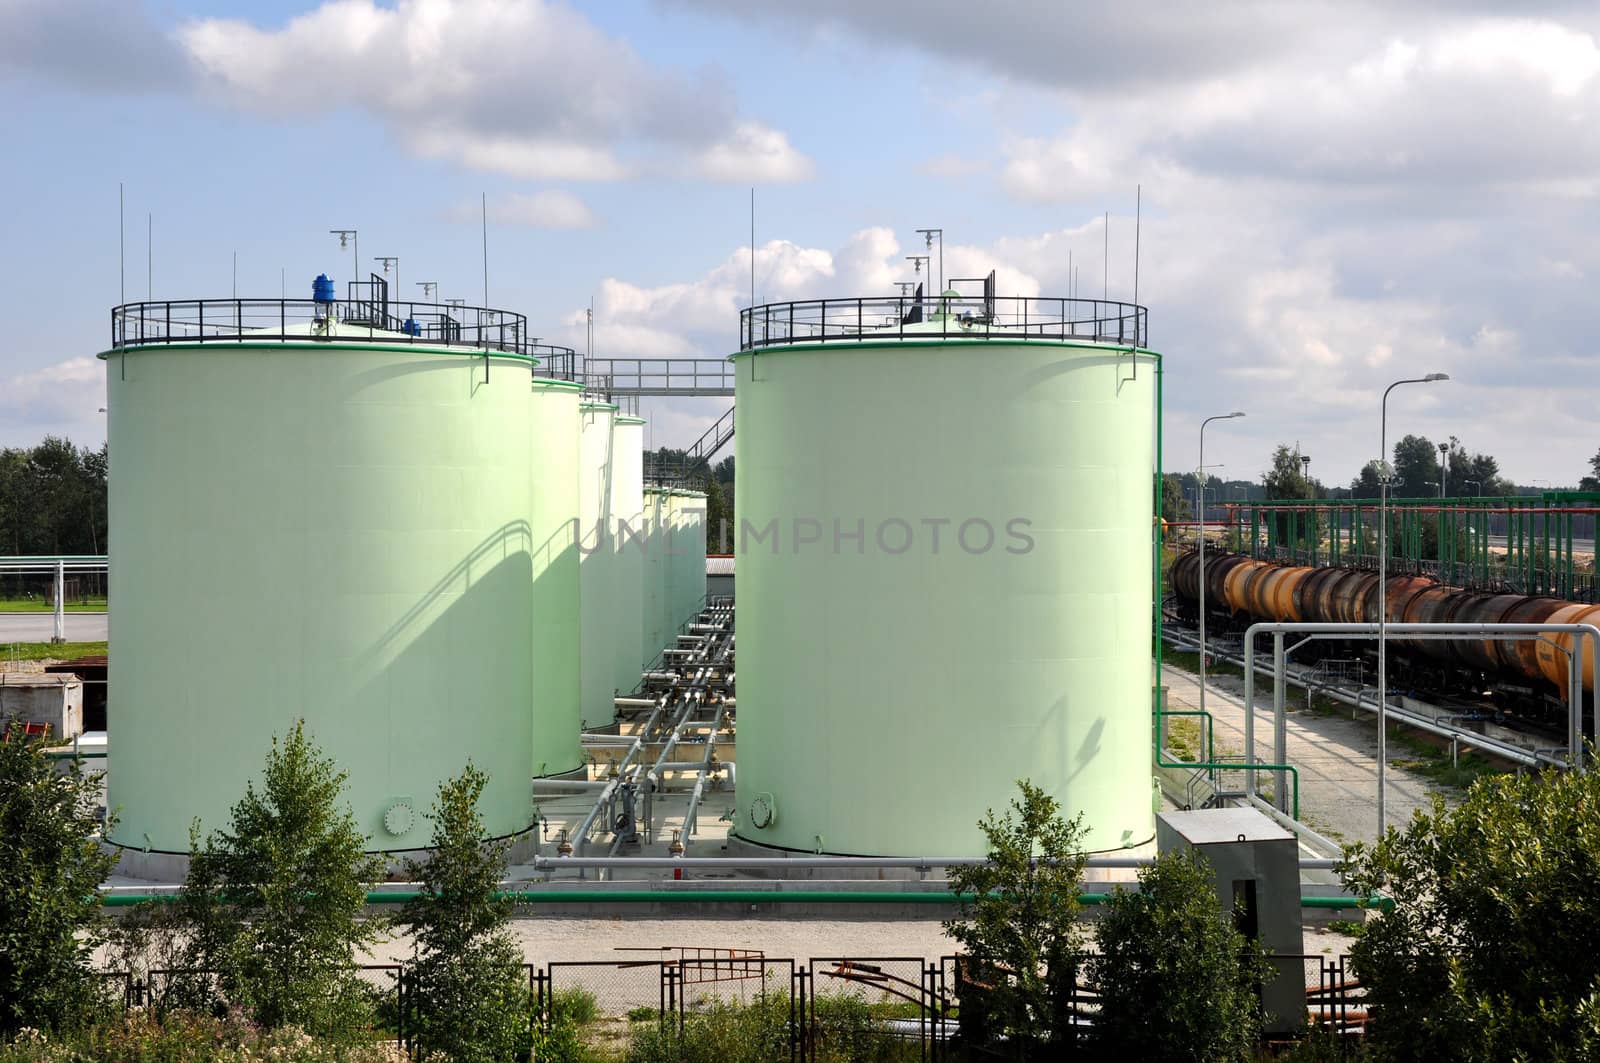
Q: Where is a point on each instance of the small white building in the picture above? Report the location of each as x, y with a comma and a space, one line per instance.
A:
43, 699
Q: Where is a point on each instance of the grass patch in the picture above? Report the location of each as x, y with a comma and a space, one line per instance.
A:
576, 1005
56, 651
1183, 737
1432, 762
39, 605
1189, 661
1350, 928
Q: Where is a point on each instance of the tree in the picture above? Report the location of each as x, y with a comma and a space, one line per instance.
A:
1481, 469
1287, 479
1592, 481
467, 994
280, 895
1416, 463
1020, 928
1173, 505
1492, 949
1287, 476
1176, 980
1370, 483
51, 867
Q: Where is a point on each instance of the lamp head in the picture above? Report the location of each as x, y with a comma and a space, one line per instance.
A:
1431, 377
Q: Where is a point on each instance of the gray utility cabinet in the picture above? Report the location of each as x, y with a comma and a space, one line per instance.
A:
1257, 868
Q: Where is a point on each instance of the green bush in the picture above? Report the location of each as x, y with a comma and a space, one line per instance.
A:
843, 1031
1492, 950
141, 1037
1177, 982
1020, 931
51, 867
719, 1033
466, 990
275, 902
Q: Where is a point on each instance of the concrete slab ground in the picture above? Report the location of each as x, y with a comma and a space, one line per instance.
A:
1336, 755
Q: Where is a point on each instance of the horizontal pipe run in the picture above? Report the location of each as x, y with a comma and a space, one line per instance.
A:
1396, 713
766, 863
842, 897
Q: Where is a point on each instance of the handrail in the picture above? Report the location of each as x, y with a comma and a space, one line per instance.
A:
236, 320
949, 316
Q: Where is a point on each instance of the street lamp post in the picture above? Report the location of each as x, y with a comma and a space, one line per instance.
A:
1200, 480
391, 261
929, 235
1383, 592
349, 236
917, 262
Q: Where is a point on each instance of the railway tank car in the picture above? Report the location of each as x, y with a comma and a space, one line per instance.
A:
1242, 589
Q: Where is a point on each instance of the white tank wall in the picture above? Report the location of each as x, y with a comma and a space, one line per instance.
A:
331, 532
597, 567
653, 573
891, 694
554, 654
627, 510
689, 555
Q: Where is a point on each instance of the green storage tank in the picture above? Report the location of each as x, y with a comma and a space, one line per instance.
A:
688, 557
944, 572
597, 565
341, 523
627, 509
556, 708
654, 572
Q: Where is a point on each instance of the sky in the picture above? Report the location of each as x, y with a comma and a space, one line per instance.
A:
1333, 196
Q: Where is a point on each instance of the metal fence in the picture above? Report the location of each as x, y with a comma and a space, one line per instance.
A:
364, 316
912, 1002
1004, 318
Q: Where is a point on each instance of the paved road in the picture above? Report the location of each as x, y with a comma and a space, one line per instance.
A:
38, 627
1336, 756
1579, 546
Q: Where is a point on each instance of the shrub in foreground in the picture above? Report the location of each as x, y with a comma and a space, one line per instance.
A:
276, 899
51, 867
1020, 930
467, 993
1492, 950
183, 1036
1177, 982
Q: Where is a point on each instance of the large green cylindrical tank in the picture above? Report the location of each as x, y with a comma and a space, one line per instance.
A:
329, 530
627, 509
893, 686
688, 558
554, 658
656, 606
597, 564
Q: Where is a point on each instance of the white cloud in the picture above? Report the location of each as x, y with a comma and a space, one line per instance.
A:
59, 399
91, 44
753, 152
527, 88
528, 158
550, 208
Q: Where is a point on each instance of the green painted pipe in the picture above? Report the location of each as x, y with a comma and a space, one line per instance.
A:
126, 900
1377, 900
1210, 732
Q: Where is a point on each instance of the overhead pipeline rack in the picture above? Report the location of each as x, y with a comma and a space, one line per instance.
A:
1535, 544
